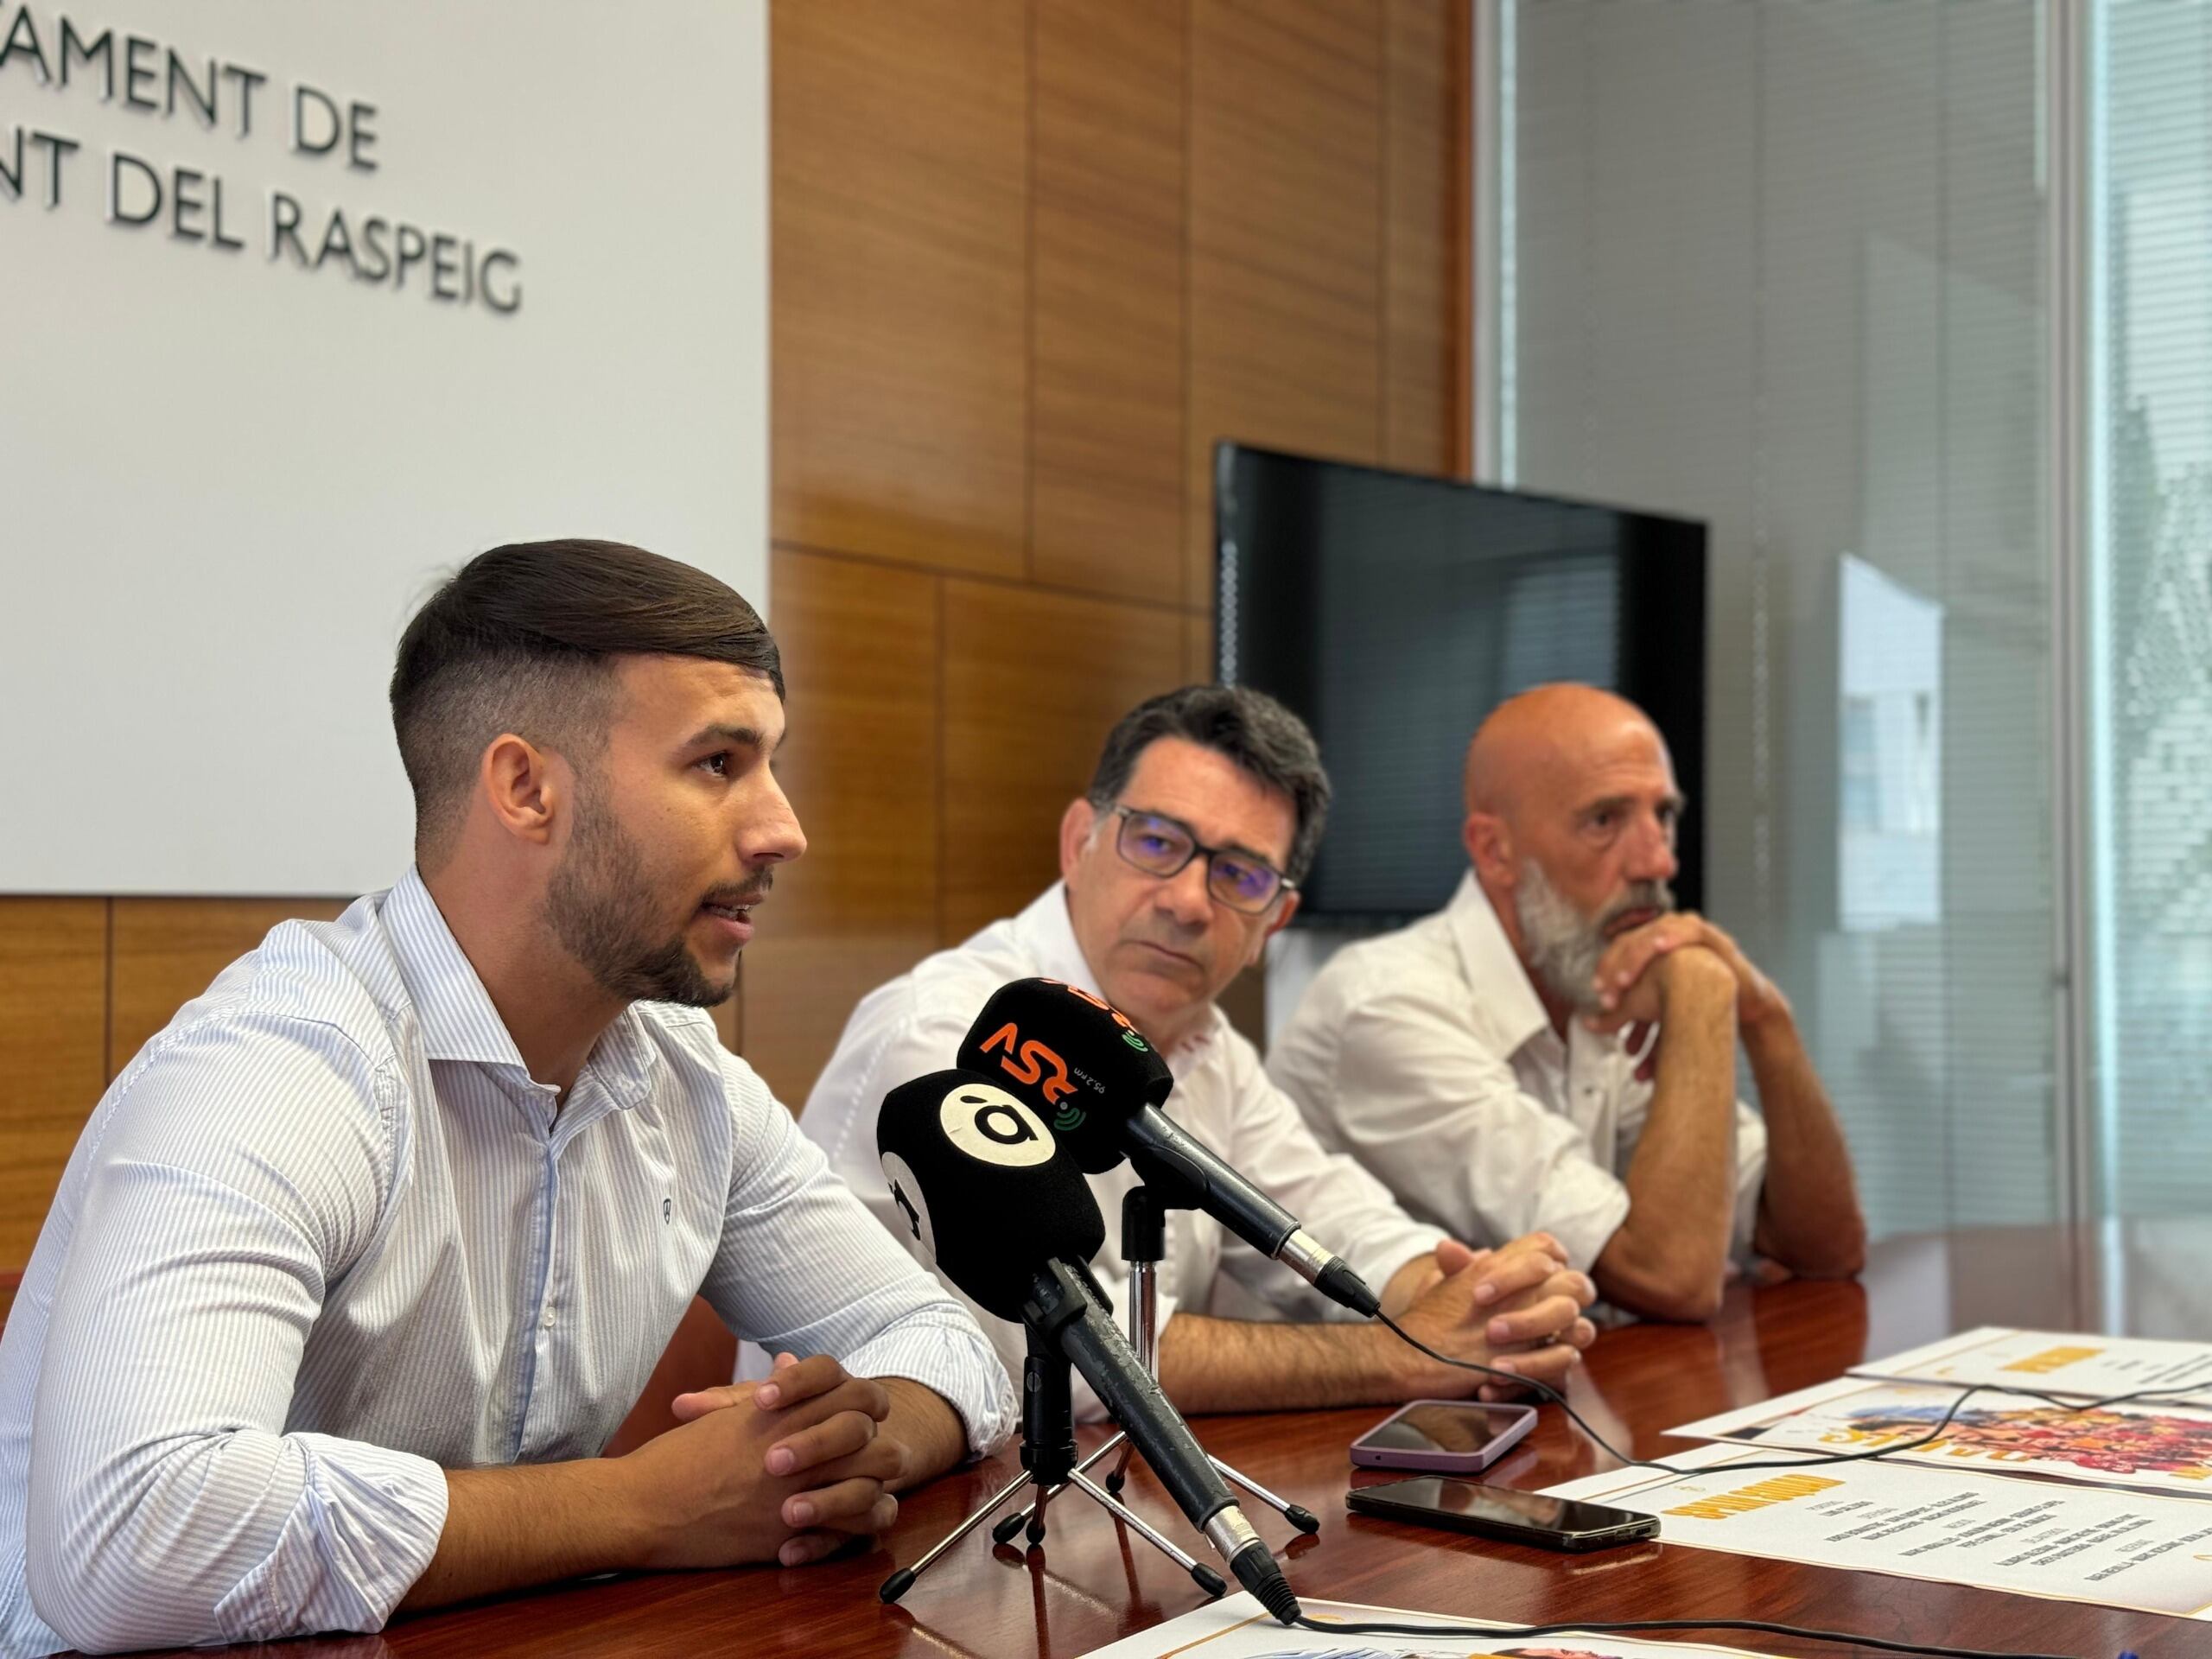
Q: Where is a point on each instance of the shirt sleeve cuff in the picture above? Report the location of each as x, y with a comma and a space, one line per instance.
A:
1582, 1209
364, 1529
951, 1359
1378, 1261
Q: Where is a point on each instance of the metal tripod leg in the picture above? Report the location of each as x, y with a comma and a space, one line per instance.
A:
1003, 1533
1299, 1516
1209, 1580
1048, 1463
1144, 1340
1144, 1337
1113, 1481
1037, 1513
903, 1580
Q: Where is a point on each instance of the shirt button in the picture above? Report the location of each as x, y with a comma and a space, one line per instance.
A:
548, 1321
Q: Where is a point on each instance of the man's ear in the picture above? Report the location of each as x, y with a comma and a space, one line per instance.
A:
525, 788
1289, 909
1076, 825
1489, 848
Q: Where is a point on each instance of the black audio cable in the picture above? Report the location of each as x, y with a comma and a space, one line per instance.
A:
1811, 1459
1844, 1638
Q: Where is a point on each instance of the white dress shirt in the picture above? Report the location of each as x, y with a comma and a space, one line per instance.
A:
914, 1024
1427, 1054
325, 1237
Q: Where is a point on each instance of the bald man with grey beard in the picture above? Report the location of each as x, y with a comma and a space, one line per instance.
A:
1556, 1048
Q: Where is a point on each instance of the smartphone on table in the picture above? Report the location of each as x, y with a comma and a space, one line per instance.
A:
1443, 1437
1500, 1512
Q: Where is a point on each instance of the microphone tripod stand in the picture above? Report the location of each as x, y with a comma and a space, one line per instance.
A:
1048, 1459
1144, 1242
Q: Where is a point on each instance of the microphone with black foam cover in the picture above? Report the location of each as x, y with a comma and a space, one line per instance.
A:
1048, 1042
998, 1205
1082, 1063
956, 1148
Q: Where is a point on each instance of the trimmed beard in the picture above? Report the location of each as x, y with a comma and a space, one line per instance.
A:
596, 905
1562, 946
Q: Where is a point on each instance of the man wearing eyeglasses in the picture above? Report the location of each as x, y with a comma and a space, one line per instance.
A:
1175, 868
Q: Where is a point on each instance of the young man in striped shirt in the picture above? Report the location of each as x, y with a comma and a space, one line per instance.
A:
360, 1262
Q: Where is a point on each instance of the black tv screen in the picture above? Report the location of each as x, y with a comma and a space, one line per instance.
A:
1393, 612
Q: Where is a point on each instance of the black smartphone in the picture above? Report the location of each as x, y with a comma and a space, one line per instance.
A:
1501, 1512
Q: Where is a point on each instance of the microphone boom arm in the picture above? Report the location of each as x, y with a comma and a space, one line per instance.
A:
1184, 1174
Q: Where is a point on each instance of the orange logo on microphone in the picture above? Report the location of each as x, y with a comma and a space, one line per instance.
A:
1130, 1034
1027, 1062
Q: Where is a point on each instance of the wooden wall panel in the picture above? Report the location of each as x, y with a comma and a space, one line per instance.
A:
899, 241
1425, 233
1030, 258
860, 648
1107, 297
1285, 227
1032, 682
53, 1042
169, 950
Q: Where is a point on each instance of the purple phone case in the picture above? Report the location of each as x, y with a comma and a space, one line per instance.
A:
1444, 1463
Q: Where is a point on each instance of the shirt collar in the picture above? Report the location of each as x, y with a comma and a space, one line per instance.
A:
1047, 938
1508, 1013
456, 1012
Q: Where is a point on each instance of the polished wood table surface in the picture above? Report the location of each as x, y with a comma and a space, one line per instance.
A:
1091, 1583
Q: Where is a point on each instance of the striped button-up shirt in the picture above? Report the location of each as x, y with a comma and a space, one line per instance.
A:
325, 1237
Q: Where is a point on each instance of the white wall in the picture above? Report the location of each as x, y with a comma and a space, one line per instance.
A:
225, 480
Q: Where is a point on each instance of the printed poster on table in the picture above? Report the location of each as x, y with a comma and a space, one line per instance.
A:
1237, 1627
2147, 1447
2052, 1362
2139, 1550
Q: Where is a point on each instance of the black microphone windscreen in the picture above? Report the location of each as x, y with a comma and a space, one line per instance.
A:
983, 1188
1072, 1058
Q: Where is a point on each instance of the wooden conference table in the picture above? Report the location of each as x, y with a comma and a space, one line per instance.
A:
1091, 1584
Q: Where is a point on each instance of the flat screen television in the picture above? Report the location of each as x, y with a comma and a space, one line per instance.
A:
1392, 611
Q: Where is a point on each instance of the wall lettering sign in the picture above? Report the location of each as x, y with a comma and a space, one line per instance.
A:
43, 165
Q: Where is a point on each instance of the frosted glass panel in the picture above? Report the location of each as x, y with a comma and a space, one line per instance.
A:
1780, 267
2152, 668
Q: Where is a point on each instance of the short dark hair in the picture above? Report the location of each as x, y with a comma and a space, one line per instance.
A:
519, 639
1250, 728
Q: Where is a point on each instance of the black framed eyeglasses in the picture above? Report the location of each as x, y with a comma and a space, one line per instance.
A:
1162, 846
